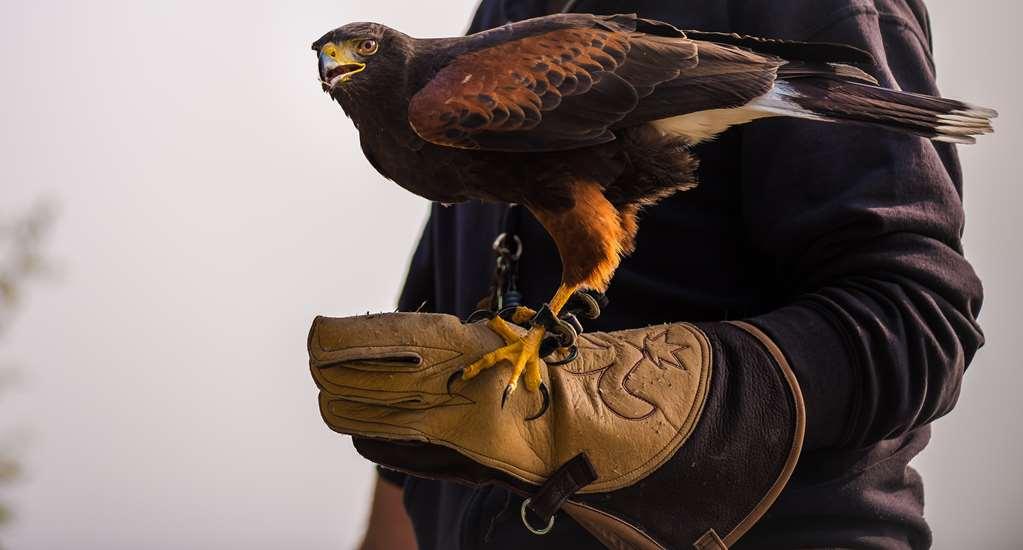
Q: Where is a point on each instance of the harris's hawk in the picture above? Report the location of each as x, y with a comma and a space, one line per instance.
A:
585, 119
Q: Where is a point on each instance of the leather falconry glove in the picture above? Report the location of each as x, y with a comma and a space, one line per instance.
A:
659, 437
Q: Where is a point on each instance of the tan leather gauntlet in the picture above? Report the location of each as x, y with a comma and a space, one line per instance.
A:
642, 443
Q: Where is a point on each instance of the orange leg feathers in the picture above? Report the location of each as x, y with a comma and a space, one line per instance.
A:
591, 238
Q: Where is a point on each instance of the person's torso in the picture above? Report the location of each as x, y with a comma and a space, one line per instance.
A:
693, 262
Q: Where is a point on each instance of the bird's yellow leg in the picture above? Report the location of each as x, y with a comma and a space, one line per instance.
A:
522, 314
522, 352
504, 330
561, 297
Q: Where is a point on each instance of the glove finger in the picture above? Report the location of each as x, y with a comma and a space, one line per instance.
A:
483, 432
413, 329
366, 419
413, 400
383, 368
391, 352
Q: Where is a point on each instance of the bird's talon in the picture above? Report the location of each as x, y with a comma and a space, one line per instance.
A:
522, 353
573, 320
545, 397
590, 305
507, 392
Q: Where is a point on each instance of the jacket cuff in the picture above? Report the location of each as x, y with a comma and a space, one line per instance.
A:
393, 477
814, 345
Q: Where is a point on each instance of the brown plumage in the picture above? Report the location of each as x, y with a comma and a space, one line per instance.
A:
586, 119
476, 98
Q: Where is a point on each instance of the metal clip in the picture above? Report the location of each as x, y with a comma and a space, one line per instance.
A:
535, 531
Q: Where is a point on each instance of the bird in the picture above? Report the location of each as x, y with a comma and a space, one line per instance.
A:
587, 119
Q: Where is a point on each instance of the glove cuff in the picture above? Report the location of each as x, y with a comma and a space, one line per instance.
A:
730, 470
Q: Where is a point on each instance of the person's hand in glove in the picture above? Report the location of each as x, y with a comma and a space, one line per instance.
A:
653, 438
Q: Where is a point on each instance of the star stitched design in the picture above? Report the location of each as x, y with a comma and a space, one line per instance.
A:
663, 353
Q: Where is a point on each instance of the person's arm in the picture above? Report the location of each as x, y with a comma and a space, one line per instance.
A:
862, 227
389, 527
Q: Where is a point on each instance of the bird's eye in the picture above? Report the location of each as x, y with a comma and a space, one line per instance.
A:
367, 46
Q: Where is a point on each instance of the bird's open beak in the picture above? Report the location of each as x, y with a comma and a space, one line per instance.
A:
337, 65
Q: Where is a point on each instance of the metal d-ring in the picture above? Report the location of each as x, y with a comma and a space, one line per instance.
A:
525, 521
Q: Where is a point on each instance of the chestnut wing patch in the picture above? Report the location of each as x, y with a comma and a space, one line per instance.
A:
551, 91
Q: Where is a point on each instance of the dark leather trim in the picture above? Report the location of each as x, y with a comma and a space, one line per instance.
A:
612, 532
797, 440
710, 541
571, 476
622, 531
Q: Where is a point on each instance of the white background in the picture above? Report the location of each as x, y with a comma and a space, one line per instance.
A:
212, 200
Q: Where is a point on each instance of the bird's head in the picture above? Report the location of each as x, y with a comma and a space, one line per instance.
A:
361, 56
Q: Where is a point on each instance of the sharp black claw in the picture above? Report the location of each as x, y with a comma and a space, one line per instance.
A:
548, 346
592, 306
507, 391
565, 333
586, 304
571, 319
451, 379
545, 395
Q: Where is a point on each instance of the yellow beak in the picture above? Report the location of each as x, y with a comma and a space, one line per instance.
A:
337, 64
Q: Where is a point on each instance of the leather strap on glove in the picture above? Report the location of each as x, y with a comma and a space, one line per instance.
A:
658, 437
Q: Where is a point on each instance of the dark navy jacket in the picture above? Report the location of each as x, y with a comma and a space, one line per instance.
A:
842, 244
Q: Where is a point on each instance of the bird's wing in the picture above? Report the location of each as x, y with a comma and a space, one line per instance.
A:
818, 52
561, 88
566, 81
724, 77
733, 70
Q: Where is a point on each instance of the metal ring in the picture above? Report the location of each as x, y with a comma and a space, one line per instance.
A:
525, 521
499, 247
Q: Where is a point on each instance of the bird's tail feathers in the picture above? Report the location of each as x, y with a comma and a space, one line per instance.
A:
835, 100
792, 70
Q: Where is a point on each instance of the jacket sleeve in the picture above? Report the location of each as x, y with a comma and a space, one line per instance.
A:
862, 228
418, 291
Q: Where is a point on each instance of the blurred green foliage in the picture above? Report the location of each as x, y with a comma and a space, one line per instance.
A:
20, 256
20, 260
